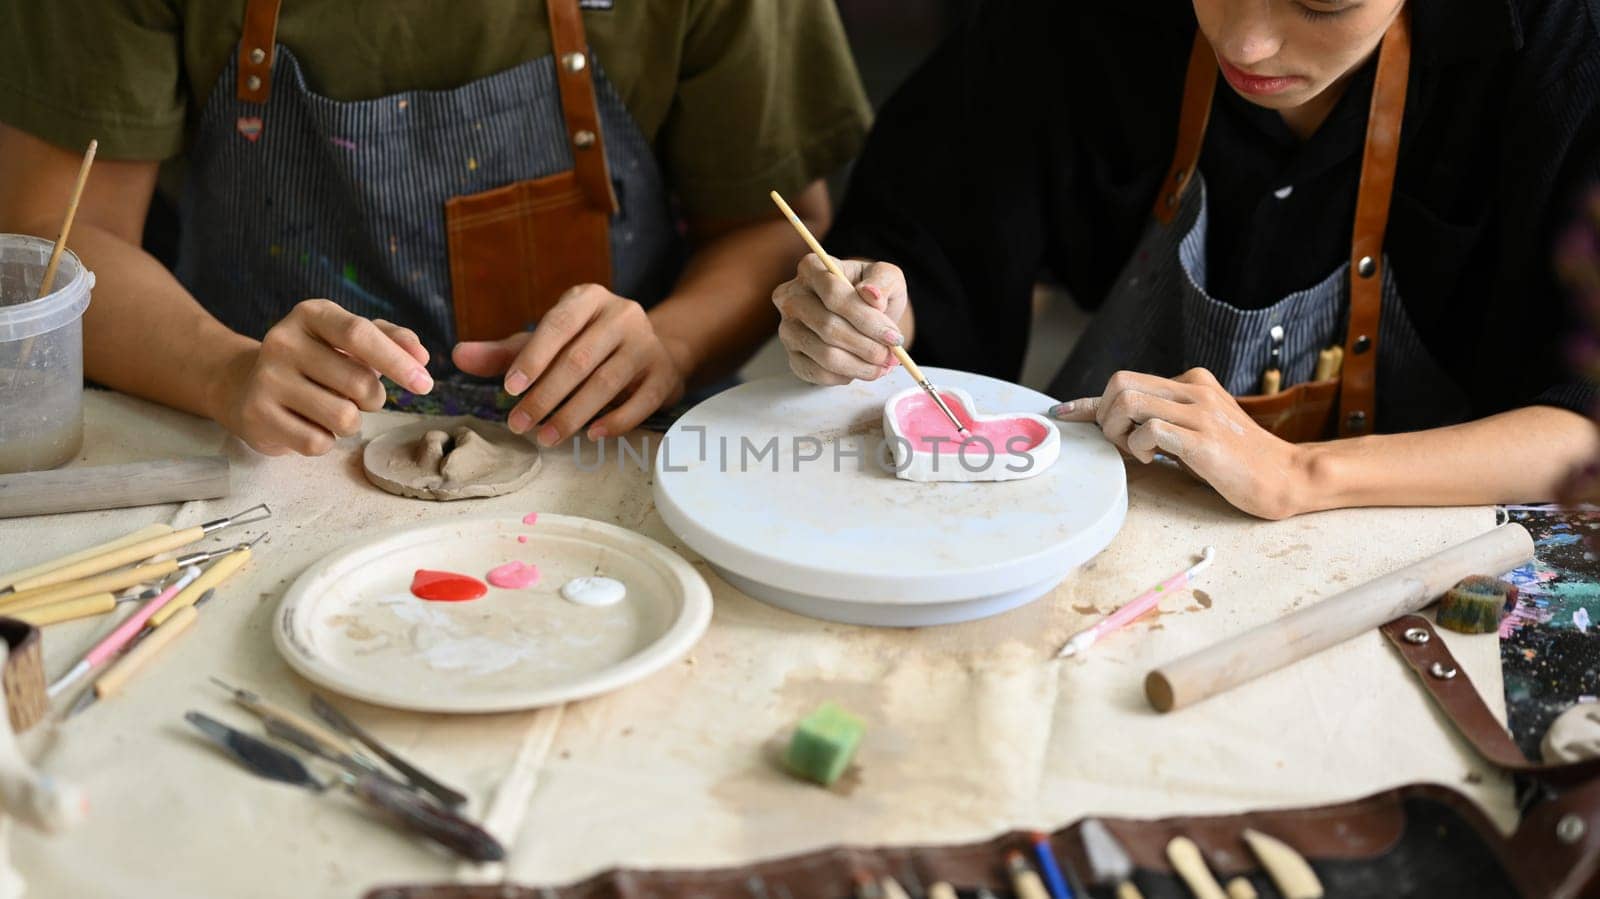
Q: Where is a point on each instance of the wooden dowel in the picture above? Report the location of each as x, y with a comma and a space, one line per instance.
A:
1275, 644
142, 534
113, 486
49, 279
117, 558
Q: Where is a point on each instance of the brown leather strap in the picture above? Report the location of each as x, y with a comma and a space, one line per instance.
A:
1195, 115
578, 106
257, 42
1359, 387
1449, 685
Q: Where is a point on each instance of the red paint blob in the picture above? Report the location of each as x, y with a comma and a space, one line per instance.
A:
445, 586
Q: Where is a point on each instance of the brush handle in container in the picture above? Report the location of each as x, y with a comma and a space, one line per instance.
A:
436, 823
113, 486
1273, 645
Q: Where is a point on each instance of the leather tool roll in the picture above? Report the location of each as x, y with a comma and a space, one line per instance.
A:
514, 250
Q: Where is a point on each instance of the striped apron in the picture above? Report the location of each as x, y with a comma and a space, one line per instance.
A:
290, 195
1159, 318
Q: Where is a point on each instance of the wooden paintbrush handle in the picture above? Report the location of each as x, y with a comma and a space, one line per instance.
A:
67, 610
113, 486
126, 667
117, 558
1332, 621
139, 536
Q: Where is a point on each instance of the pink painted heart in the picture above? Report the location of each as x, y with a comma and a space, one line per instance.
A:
927, 447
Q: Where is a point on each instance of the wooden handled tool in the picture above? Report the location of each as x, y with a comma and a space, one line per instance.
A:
147, 532
113, 486
330, 742
213, 577
70, 610
899, 351
110, 582
1334, 620
118, 675
1191, 866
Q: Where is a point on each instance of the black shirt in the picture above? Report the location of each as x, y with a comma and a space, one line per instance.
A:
1034, 139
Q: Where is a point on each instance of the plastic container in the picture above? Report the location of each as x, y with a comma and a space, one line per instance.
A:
41, 355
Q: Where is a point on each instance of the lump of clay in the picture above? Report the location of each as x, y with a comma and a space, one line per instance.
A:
927, 447
1574, 736
458, 459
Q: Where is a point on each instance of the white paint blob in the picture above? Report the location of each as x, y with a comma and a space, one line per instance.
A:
594, 591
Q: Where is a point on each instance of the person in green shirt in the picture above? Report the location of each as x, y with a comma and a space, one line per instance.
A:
566, 200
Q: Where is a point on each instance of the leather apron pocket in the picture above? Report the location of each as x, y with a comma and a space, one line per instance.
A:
515, 249
1299, 414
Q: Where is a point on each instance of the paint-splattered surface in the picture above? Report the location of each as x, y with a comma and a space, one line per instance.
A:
1549, 650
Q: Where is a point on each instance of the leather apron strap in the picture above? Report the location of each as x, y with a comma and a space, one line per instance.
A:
1358, 382
578, 105
257, 41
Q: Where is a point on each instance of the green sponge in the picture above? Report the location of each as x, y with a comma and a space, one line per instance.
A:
824, 743
1476, 604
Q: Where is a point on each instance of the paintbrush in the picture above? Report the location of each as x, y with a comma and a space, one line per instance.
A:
899, 351
1107, 860
419, 779
1126, 615
329, 745
268, 761
48, 282
1050, 868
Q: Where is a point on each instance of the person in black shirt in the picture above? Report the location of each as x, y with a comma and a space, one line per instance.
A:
1350, 244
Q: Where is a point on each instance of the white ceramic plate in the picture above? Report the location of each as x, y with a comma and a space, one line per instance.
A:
770, 483
350, 623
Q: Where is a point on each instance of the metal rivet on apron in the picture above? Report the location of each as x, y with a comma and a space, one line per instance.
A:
1438, 670
1178, 176
258, 56
1417, 635
253, 82
574, 62
1366, 268
1363, 343
1357, 420
1172, 199
1570, 829
584, 139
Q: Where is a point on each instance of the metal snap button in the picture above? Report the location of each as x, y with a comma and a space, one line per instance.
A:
1357, 420
258, 55
253, 82
1417, 635
1437, 669
1570, 829
574, 62
583, 139
1366, 268
1363, 343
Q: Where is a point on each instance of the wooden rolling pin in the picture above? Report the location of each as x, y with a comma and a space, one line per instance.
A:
113, 486
1334, 620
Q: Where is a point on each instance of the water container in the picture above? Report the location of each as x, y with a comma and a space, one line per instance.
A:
41, 355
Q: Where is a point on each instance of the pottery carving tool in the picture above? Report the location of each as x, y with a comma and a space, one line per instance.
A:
1241, 888
419, 779
73, 609
268, 761
214, 576
942, 890
112, 581
1107, 859
138, 551
91, 488
1332, 621
893, 890
1130, 612
1288, 869
143, 648
899, 351
115, 641
1025, 882
331, 743
1272, 378
1329, 361
1191, 866
145, 533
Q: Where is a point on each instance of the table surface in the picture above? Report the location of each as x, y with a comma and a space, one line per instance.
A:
972, 729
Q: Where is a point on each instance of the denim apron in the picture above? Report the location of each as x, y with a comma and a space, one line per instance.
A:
1159, 318
290, 195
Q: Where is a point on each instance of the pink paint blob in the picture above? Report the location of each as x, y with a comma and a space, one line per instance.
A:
522, 538
925, 425
514, 576
531, 518
445, 586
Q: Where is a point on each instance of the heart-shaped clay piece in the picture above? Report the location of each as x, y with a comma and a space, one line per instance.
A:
927, 447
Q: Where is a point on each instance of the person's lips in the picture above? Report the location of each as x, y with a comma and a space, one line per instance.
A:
1259, 85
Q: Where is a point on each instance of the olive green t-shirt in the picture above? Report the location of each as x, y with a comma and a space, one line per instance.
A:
738, 97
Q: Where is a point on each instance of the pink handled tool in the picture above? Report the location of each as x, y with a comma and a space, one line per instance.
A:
117, 639
1126, 615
